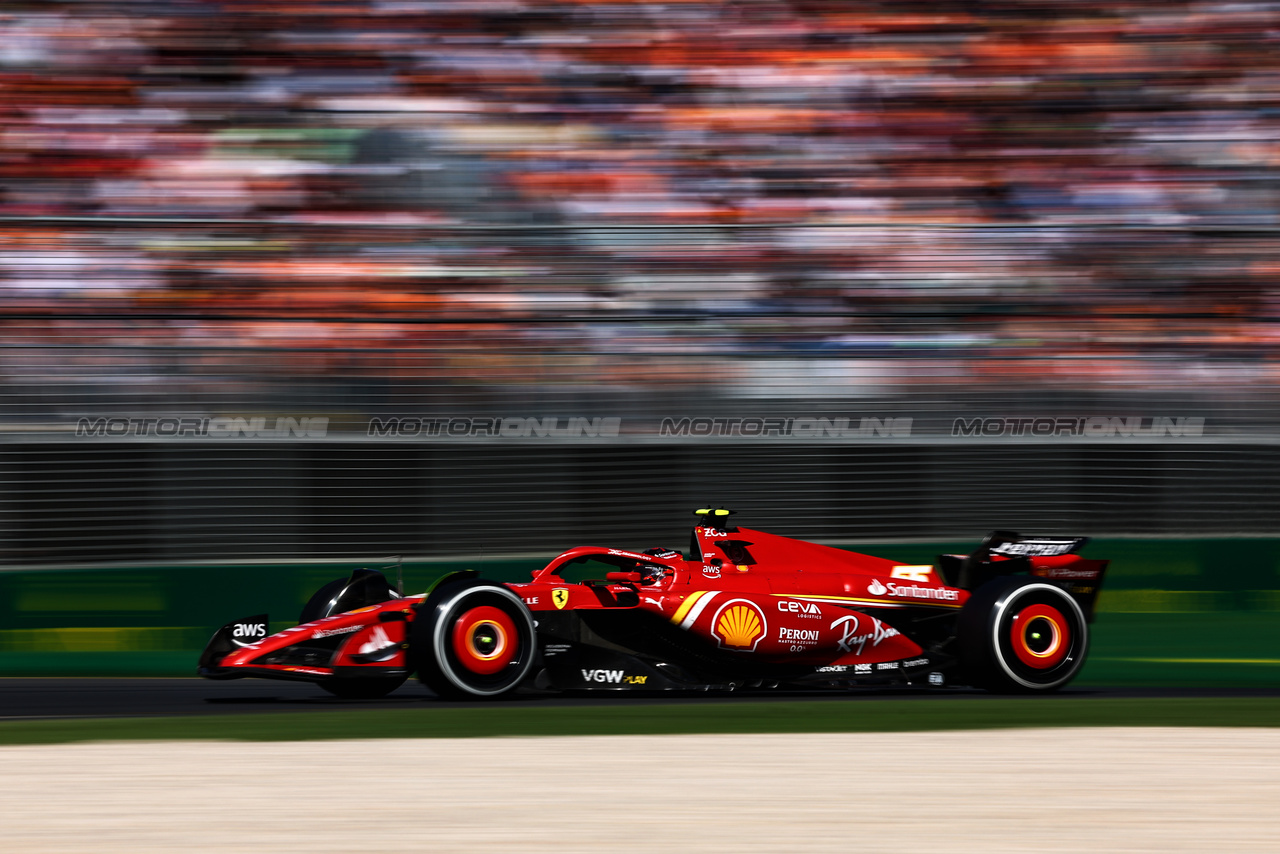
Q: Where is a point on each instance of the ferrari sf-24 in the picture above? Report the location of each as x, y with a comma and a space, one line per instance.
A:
740, 609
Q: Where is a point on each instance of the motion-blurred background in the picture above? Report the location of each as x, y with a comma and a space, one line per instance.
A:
288, 287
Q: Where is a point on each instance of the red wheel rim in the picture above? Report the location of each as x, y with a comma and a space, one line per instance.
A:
1040, 636
485, 639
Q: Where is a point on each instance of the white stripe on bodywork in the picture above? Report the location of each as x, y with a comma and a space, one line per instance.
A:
697, 610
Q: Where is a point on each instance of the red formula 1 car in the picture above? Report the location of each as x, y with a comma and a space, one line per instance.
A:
742, 609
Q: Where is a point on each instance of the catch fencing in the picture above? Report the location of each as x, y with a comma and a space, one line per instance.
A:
213, 390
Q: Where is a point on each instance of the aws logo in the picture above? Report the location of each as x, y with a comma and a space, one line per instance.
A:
249, 631
739, 624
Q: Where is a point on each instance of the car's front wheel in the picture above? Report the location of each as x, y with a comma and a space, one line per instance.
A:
322, 602
1021, 635
473, 639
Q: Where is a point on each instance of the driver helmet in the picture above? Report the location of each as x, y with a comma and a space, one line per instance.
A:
652, 573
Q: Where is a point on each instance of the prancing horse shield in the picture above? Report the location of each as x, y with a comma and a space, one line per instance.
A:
560, 596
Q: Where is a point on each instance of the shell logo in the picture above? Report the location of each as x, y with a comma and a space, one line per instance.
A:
739, 625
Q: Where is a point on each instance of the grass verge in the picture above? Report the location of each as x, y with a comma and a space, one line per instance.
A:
661, 719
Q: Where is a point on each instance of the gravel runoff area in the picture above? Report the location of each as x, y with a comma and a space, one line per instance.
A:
981, 791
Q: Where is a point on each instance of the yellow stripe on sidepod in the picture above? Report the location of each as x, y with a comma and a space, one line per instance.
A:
686, 605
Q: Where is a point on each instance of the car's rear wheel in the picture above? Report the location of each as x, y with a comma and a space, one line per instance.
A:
1020, 635
363, 687
473, 639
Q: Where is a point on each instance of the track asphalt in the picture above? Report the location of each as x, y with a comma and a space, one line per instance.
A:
93, 697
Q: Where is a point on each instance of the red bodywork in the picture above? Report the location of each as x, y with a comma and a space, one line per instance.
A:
365, 642
762, 595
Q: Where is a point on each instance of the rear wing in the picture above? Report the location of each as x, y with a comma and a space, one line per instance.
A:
1053, 558
1011, 545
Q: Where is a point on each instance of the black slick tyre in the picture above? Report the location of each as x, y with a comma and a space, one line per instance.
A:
321, 602
472, 639
1021, 635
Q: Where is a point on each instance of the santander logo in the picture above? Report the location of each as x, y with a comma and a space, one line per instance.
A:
913, 591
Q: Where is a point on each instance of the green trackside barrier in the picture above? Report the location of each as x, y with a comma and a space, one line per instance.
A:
154, 620
1194, 611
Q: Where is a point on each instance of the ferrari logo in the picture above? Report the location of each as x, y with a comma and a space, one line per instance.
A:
560, 596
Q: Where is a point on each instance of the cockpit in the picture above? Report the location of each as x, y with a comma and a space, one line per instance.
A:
651, 568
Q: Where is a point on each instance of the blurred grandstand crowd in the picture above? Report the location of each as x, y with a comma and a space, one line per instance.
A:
406, 202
